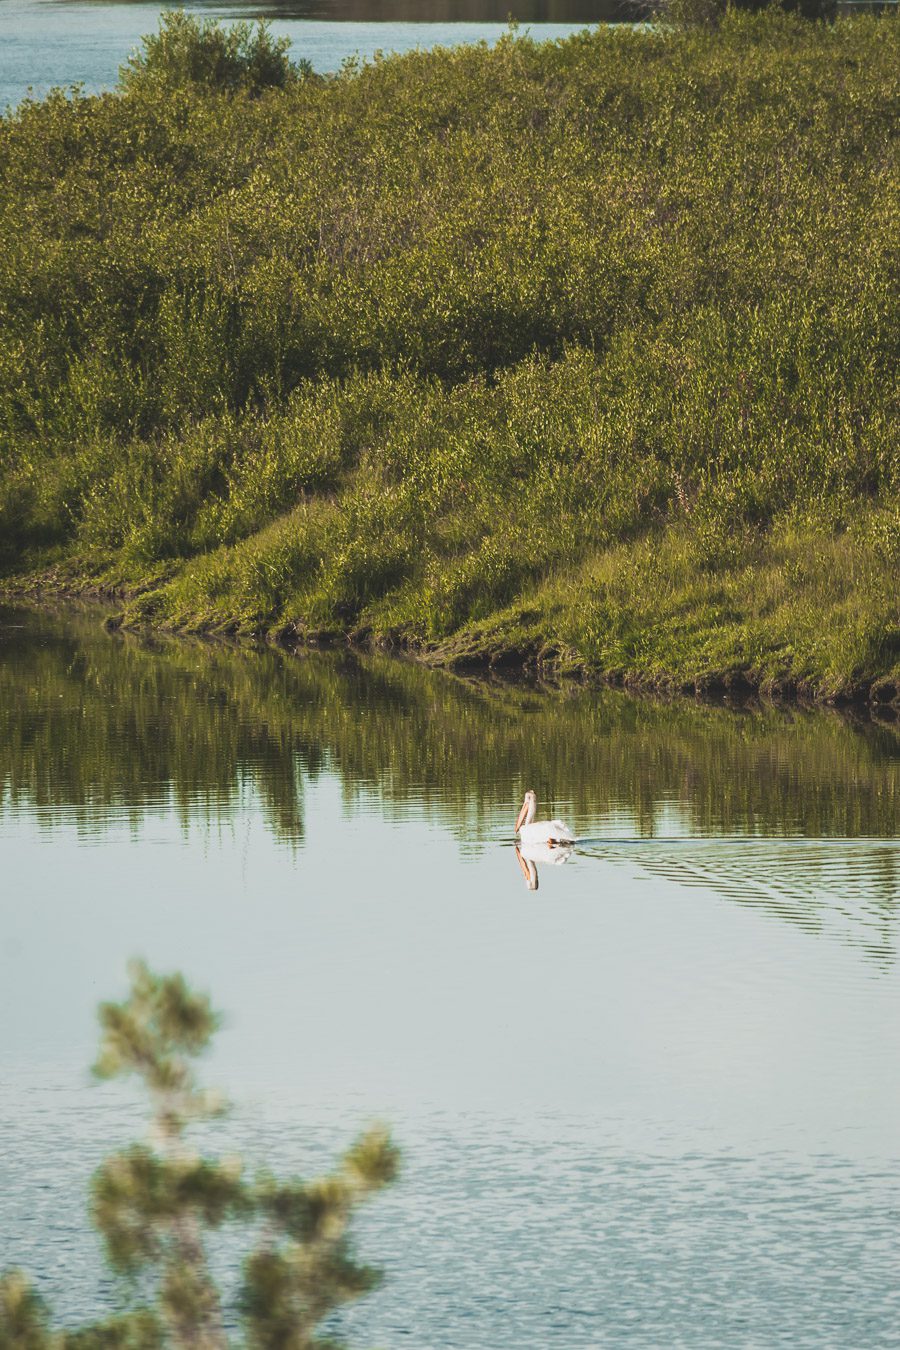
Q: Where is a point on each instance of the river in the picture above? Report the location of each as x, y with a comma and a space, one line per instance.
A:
60, 43
46, 44
653, 1101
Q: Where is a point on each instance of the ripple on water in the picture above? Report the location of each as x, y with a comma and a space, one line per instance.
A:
849, 888
495, 1239
668, 1076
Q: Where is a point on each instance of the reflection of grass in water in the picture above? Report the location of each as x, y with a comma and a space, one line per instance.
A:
90, 721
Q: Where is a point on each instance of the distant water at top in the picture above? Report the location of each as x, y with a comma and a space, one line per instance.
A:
52, 43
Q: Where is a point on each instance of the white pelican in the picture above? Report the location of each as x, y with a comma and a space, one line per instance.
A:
531, 831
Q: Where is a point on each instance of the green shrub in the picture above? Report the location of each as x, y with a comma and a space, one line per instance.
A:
189, 51
399, 350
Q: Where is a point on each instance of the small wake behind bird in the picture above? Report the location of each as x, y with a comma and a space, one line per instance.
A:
552, 842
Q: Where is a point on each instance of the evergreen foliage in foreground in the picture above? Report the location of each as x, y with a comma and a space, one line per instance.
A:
152, 1206
584, 351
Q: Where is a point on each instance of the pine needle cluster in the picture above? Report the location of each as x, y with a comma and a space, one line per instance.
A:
156, 1204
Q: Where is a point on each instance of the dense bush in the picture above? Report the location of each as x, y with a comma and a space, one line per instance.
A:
188, 51
468, 335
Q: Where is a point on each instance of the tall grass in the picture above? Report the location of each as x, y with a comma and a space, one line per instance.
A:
582, 352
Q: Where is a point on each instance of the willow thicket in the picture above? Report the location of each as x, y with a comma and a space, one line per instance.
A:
579, 352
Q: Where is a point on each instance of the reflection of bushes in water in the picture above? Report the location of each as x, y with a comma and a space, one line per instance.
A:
88, 720
472, 329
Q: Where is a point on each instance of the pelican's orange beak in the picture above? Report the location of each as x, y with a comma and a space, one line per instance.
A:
521, 816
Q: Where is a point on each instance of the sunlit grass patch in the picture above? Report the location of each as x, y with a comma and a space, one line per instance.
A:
585, 352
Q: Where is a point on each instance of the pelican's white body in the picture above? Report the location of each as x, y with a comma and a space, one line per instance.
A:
535, 832
547, 832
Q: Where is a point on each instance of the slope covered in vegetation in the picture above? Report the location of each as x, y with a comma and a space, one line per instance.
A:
581, 351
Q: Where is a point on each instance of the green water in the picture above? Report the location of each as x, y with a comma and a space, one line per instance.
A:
95, 722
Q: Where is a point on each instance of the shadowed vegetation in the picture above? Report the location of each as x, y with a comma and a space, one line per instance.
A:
578, 353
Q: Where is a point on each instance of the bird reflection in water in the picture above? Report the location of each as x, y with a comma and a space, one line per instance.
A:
529, 855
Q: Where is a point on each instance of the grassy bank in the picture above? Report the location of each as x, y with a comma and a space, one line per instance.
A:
583, 353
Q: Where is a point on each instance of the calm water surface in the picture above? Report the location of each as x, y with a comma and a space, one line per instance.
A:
58, 43
653, 1102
